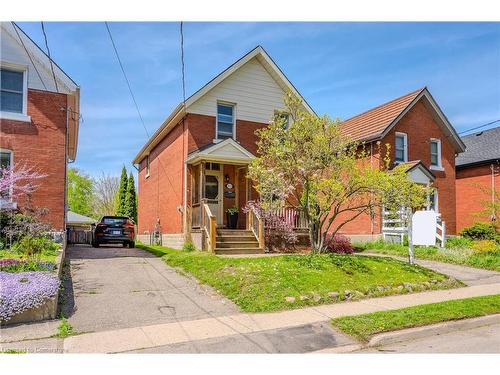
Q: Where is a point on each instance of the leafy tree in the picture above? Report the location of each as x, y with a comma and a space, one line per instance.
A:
80, 192
131, 199
122, 192
105, 195
313, 166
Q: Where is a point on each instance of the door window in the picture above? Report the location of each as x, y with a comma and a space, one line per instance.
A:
211, 187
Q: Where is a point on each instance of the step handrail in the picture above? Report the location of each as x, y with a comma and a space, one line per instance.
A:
256, 225
209, 224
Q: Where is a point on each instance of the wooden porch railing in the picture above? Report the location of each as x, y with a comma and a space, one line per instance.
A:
196, 215
293, 216
255, 223
209, 226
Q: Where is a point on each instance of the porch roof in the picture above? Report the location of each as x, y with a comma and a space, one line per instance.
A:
227, 151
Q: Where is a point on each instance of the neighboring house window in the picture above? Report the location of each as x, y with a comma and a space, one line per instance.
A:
436, 153
401, 148
433, 201
282, 116
225, 121
13, 93
147, 166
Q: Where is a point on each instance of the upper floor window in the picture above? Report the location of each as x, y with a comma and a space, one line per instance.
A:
401, 148
283, 117
225, 121
13, 93
436, 153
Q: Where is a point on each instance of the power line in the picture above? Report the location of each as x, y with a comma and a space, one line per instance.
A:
126, 78
479, 127
50, 58
182, 67
31, 59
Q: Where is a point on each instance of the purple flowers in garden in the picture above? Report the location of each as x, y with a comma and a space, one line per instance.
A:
8, 262
25, 290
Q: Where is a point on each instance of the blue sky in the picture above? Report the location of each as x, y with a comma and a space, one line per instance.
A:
340, 68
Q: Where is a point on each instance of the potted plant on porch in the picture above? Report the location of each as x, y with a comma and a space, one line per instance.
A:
232, 217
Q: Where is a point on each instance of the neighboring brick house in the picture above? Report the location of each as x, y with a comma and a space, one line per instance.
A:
203, 149
419, 134
38, 120
478, 178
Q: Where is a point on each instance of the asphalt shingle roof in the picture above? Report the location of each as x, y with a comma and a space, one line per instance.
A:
481, 146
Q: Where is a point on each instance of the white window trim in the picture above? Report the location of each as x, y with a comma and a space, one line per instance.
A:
217, 139
438, 167
14, 115
148, 166
405, 145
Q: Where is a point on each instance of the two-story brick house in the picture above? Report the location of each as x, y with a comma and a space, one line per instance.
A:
39, 118
197, 161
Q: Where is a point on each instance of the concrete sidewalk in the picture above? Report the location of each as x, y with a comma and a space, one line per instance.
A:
468, 275
151, 336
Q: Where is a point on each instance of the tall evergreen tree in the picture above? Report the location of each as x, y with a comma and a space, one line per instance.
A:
122, 192
131, 199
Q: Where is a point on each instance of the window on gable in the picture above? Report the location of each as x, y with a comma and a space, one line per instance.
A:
282, 117
11, 91
401, 148
435, 153
225, 121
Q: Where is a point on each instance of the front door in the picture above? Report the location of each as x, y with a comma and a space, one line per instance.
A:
213, 194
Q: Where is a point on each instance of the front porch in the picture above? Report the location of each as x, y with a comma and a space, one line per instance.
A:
217, 182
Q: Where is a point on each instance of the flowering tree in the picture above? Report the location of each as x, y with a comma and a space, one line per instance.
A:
15, 182
313, 166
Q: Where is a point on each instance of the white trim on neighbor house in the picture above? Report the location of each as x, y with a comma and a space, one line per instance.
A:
439, 165
23, 116
8, 203
148, 166
405, 147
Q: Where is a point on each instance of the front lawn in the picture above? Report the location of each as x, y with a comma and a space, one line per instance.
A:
457, 255
292, 281
366, 325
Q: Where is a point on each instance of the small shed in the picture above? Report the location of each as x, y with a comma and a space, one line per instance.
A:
79, 227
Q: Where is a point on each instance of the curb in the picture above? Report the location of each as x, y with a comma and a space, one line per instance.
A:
434, 329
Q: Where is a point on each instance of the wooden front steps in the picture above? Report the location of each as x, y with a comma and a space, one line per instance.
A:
236, 241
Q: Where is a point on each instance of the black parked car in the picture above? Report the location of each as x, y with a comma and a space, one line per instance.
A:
114, 229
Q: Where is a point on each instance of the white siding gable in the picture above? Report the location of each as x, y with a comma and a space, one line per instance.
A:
14, 53
253, 90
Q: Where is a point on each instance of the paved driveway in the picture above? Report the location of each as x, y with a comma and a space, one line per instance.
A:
115, 287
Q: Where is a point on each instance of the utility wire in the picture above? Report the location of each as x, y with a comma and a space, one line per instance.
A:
182, 67
126, 78
50, 58
479, 127
27, 53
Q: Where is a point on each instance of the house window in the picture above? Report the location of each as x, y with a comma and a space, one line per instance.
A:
433, 201
212, 166
401, 148
435, 153
225, 121
282, 117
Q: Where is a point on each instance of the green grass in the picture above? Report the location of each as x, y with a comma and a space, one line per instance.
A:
47, 256
12, 351
366, 325
456, 255
264, 283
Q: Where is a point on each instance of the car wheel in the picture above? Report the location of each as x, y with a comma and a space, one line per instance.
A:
95, 244
131, 244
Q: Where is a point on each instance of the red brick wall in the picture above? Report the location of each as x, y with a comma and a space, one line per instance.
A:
470, 198
245, 134
161, 193
41, 143
200, 131
420, 127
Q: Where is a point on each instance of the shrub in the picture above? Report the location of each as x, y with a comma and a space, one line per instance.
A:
458, 242
188, 246
34, 247
25, 290
338, 244
278, 232
16, 265
481, 231
484, 246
